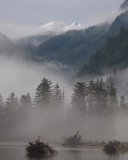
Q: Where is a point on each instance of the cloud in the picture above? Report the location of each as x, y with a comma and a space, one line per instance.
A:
42, 11
22, 76
15, 31
104, 16
54, 1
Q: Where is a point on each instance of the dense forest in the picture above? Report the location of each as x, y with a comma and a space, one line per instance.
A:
73, 47
93, 99
113, 55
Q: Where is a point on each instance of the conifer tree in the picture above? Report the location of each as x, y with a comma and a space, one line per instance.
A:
91, 96
78, 98
25, 101
101, 100
12, 111
112, 99
58, 95
44, 93
2, 108
1, 101
123, 105
12, 102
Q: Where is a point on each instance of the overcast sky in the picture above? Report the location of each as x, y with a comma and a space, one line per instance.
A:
27, 15
38, 12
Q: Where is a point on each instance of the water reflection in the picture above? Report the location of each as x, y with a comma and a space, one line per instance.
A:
76, 154
44, 157
19, 153
113, 156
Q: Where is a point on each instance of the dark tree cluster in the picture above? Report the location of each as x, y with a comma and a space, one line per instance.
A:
95, 98
74, 140
113, 55
48, 95
16, 111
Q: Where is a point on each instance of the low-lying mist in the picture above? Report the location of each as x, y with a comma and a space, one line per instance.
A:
53, 122
21, 76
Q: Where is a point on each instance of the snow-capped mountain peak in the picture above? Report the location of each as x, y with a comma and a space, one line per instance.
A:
60, 27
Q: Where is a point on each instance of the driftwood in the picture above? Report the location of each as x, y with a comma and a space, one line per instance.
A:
74, 140
38, 148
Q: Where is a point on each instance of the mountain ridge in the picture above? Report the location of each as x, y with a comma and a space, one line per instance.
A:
124, 5
111, 57
73, 47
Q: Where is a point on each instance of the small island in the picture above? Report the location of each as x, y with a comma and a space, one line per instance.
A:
76, 141
116, 147
39, 148
73, 141
112, 147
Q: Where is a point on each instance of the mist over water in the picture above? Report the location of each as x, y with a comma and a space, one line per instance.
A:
51, 123
46, 100
22, 76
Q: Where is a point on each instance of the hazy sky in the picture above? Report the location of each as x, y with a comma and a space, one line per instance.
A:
38, 12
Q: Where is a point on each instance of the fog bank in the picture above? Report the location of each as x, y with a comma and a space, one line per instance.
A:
22, 76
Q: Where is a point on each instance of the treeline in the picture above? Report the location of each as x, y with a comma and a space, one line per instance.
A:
95, 98
92, 97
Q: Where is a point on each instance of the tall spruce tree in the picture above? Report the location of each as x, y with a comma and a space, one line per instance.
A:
78, 97
91, 96
2, 117
58, 97
123, 105
2, 108
12, 102
112, 99
12, 111
44, 93
101, 100
25, 102
1, 102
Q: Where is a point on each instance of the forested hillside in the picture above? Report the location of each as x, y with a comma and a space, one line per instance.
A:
121, 20
74, 47
113, 55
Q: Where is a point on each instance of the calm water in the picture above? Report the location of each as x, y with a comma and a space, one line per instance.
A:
17, 152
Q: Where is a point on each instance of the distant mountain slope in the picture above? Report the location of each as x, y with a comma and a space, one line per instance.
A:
8, 48
121, 20
45, 32
113, 55
73, 47
30, 43
76, 47
106, 57
5, 44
